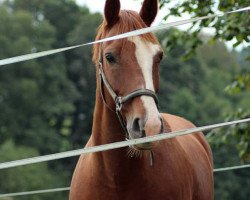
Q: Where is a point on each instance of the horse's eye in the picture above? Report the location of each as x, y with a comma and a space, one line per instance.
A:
110, 58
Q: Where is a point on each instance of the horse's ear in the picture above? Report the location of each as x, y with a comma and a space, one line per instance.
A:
111, 12
149, 11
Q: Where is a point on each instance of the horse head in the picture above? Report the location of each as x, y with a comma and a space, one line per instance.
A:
129, 69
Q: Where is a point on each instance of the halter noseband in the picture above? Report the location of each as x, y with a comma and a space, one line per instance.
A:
120, 100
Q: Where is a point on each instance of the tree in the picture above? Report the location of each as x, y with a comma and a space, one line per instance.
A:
43, 103
233, 27
190, 87
239, 89
227, 28
79, 68
27, 178
37, 96
82, 72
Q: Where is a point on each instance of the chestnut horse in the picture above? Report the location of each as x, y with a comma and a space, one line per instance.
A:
126, 107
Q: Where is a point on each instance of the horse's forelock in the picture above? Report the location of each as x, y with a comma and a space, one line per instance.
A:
128, 21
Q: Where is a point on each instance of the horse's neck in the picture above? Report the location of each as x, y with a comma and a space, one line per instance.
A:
107, 129
106, 126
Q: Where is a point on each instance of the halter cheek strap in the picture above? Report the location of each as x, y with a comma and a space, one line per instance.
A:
120, 100
118, 105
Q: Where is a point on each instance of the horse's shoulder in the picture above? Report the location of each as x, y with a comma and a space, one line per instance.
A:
176, 122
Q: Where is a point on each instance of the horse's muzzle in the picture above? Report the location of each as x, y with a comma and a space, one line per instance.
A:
142, 127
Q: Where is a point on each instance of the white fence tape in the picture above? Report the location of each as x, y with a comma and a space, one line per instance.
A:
68, 188
34, 192
31, 56
115, 145
223, 169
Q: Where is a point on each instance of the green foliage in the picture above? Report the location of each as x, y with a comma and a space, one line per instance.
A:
238, 133
241, 83
31, 177
25, 89
239, 89
190, 88
81, 71
195, 89
44, 103
233, 26
230, 185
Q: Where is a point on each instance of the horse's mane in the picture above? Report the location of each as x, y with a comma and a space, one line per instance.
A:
128, 21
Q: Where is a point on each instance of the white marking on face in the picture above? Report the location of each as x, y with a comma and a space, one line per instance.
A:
145, 52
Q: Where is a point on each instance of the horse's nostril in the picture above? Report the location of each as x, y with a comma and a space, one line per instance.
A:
136, 125
138, 128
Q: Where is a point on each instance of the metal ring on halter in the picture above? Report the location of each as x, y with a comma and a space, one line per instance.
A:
118, 104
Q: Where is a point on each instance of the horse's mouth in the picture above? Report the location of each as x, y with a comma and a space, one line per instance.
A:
144, 146
139, 149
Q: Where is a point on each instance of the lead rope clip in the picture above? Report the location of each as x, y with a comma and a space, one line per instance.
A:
151, 158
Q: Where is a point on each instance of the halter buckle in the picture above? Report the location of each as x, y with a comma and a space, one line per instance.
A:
118, 104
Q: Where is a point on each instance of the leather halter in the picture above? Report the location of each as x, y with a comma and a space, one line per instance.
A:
120, 100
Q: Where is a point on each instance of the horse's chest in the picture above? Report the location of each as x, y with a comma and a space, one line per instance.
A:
159, 185
163, 181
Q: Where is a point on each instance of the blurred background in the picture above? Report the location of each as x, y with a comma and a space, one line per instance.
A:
46, 105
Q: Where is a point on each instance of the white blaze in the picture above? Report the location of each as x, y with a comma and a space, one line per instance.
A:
145, 52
